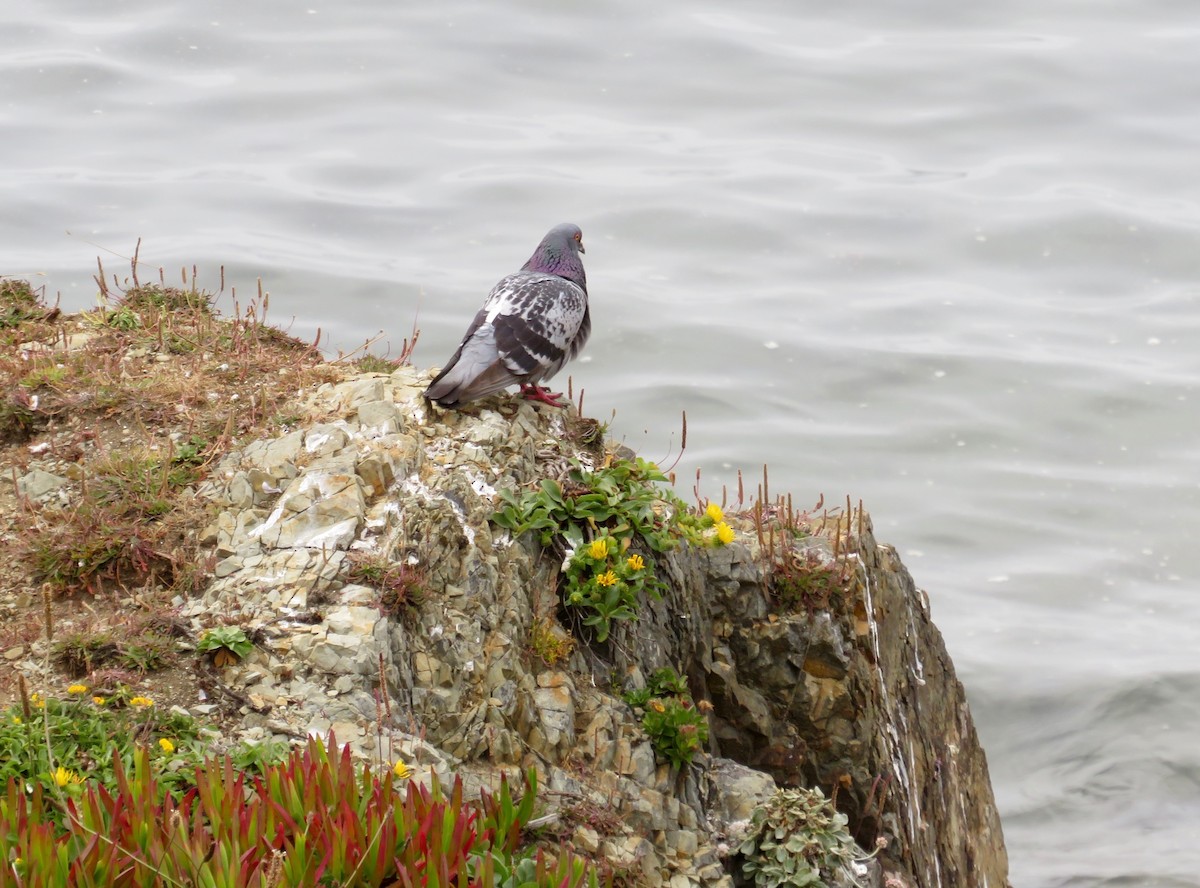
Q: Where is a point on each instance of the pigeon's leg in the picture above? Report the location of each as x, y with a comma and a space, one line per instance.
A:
534, 392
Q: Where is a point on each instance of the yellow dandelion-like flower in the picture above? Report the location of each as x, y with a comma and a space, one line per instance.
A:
37, 700
17, 720
99, 701
401, 770
598, 549
608, 578
63, 777
141, 702
724, 533
166, 745
77, 689
635, 562
657, 706
714, 512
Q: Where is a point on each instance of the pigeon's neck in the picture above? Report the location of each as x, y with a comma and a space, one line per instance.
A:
564, 265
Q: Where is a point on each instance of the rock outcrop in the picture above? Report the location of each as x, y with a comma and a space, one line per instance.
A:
851, 691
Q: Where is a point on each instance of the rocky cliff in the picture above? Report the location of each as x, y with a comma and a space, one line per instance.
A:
360, 551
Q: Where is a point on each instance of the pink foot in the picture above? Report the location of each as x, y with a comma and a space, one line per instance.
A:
533, 392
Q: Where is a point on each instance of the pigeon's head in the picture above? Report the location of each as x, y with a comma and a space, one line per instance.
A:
567, 234
558, 253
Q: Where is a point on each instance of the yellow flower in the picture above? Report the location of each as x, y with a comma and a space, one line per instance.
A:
714, 512
99, 701
401, 770
166, 745
141, 702
724, 533
62, 777
17, 720
598, 549
77, 689
635, 562
657, 706
37, 700
608, 578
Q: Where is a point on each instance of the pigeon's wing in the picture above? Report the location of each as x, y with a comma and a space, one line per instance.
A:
525, 332
539, 330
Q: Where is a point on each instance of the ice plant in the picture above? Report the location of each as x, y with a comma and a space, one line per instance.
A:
599, 549
635, 562
401, 770
608, 578
714, 512
338, 823
725, 534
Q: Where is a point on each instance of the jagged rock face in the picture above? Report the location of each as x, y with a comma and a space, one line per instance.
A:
859, 698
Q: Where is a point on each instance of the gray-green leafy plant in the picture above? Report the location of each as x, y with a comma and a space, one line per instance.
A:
798, 839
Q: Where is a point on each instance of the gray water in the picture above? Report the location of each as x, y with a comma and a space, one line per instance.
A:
941, 257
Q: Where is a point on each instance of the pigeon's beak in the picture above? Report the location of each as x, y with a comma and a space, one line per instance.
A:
581, 249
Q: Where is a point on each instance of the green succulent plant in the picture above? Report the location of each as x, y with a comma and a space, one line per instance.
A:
606, 523
676, 728
798, 839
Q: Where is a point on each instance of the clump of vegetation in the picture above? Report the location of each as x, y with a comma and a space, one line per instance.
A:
801, 575
143, 643
20, 304
313, 819
90, 736
81, 546
670, 717
806, 579
80, 652
146, 653
226, 644
143, 394
606, 582
603, 819
158, 297
376, 364
798, 839
623, 497
606, 523
549, 642
113, 531
402, 586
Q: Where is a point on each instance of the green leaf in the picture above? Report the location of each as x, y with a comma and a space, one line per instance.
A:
553, 491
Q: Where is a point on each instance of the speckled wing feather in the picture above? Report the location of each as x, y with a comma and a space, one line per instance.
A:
531, 324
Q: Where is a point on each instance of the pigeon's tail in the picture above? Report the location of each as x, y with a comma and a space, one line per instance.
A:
473, 372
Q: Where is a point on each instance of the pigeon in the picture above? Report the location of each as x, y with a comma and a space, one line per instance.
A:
531, 324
